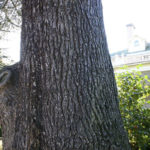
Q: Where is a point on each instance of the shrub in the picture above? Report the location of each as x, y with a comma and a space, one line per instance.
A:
133, 91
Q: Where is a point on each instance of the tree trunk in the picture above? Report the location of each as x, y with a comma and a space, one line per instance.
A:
67, 92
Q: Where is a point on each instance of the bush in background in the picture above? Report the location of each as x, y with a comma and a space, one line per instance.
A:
134, 91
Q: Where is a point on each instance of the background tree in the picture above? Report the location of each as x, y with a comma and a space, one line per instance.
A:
134, 90
63, 90
10, 15
2, 64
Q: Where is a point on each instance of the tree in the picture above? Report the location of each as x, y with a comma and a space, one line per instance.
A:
2, 64
133, 92
10, 15
62, 94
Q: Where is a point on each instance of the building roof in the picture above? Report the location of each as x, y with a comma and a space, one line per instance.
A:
126, 52
119, 53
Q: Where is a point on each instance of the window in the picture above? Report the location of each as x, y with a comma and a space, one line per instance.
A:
136, 43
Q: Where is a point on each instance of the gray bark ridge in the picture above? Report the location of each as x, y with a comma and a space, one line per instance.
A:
8, 103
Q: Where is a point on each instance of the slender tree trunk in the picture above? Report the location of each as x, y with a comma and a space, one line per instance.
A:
68, 97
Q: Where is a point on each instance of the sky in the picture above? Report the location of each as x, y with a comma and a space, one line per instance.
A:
117, 14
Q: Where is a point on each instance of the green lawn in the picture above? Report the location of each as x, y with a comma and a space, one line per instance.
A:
0, 144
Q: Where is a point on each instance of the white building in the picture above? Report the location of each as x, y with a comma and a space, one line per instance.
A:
138, 52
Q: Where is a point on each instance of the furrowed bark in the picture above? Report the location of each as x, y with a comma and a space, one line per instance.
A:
68, 91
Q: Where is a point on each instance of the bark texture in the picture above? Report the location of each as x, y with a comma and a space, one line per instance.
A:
9, 97
68, 97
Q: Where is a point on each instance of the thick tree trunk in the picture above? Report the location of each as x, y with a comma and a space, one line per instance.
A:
68, 97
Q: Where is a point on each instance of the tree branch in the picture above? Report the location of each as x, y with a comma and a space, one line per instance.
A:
4, 4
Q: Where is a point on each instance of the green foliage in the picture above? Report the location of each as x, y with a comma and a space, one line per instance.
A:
133, 91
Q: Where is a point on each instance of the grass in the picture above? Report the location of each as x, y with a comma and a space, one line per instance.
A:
0, 144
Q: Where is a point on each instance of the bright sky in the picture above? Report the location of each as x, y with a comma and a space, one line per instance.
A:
117, 14
12, 45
